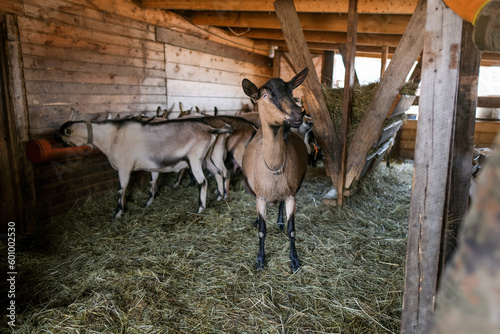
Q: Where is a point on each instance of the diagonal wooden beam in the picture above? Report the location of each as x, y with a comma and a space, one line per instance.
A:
394, 78
316, 105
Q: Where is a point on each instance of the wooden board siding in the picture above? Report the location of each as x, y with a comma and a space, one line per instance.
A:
105, 56
74, 56
484, 136
206, 81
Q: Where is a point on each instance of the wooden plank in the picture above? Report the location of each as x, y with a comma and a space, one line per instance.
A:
438, 100
44, 87
178, 55
325, 6
323, 129
90, 56
195, 73
88, 21
463, 142
488, 102
50, 64
368, 23
348, 96
328, 37
484, 126
389, 131
187, 41
89, 78
404, 103
394, 78
202, 89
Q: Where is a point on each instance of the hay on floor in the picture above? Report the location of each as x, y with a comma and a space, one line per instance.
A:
165, 269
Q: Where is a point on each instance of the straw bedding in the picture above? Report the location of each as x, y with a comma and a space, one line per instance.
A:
165, 269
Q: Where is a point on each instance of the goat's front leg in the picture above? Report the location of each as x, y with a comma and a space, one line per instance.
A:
152, 191
290, 214
197, 171
261, 214
124, 177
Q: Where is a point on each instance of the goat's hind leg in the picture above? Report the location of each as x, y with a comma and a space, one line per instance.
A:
197, 171
261, 212
290, 213
124, 177
281, 224
152, 191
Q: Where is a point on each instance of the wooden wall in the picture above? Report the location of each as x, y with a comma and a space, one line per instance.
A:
484, 136
107, 55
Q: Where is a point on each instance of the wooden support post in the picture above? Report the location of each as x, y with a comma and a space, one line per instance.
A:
404, 57
327, 68
352, 26
463, 142
313, 96
384, 58
22, 183
277, 64
343, 53
438, 100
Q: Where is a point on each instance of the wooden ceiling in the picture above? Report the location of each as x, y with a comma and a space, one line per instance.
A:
381, 23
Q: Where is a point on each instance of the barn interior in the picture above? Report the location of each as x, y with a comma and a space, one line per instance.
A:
128, 58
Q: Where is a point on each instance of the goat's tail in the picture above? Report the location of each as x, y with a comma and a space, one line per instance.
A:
225, 129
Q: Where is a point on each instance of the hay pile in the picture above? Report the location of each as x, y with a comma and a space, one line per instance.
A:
165, 270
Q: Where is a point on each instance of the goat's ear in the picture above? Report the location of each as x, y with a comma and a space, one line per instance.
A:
250, 89
299, 78
72, 115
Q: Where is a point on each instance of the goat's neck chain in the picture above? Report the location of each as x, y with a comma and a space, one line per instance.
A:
90, 133
276, 171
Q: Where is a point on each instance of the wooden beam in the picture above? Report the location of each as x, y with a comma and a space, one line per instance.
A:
325, 37
367, 23
348, 97
320, 47
384, 57
325, 6
187, 41
394, 78
313, 95
327, 68
463, 142
438, 102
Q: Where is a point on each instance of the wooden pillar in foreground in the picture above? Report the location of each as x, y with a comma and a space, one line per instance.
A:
352, 26
313, 96
434, 140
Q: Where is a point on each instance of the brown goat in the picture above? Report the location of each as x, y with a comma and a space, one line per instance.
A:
275, 161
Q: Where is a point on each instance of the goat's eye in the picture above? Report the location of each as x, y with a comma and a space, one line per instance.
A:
265, 95
67, 131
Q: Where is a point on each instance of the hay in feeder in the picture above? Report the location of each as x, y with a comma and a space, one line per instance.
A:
165, 269
363, 96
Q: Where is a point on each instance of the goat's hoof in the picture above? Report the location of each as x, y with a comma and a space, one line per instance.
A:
118, 214
295, 265
281, 227
260, 264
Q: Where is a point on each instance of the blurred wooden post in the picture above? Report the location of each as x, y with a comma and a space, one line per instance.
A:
313, 95
434, 140
349, 81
